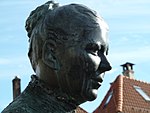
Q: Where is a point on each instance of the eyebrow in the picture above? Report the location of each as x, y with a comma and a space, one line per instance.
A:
104, 48
100, 46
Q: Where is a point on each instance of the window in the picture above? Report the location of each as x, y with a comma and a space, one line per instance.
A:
142, 93
108, 99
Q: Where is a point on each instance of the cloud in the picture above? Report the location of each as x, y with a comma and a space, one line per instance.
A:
137, 55
126, 6
12, 60
126, 15
4, 61
17, 65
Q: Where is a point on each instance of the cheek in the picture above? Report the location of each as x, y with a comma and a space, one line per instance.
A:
77, 71
78, 67
94, 61
83, 65
76, 77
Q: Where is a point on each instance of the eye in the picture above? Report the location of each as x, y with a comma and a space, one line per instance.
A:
92, 48
102, 50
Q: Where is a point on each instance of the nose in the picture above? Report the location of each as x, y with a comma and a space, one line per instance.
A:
104, 65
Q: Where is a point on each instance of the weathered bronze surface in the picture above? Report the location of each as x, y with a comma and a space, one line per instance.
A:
68, 48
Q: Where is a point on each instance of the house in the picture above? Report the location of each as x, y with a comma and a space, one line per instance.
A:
126, 94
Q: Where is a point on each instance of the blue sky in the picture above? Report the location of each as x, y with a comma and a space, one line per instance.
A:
129, 37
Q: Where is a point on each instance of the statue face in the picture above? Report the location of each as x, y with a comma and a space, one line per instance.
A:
83, 64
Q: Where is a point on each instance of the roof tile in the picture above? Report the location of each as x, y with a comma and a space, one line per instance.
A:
125, 98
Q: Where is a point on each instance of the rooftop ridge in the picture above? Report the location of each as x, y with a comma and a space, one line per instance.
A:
119, 80
135, 79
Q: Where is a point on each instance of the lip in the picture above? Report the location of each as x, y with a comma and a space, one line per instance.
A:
96, 84
98, 77
97, 80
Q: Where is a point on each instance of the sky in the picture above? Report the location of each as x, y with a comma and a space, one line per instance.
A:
129, 39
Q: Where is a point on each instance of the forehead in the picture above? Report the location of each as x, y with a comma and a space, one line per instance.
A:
97, 35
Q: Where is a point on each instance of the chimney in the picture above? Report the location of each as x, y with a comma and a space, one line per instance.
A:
128, 70
16, 87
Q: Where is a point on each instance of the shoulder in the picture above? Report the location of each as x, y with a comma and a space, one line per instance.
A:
17, 107
15, 110
20, 105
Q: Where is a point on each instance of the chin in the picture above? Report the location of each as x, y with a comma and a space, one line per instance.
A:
92, 94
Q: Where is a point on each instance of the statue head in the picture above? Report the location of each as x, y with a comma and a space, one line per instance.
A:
68, 48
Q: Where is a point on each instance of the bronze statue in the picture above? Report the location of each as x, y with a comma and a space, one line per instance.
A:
68, 48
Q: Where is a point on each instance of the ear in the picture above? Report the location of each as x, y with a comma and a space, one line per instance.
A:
48, 55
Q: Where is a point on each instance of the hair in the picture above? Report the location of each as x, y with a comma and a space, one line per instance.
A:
59, 23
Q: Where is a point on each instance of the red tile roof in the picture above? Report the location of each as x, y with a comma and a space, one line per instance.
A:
125, 98
80, 110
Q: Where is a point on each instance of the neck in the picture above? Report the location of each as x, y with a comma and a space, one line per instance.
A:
47, 75
65, 101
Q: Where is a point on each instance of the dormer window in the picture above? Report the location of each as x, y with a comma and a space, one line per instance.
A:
109, 98
142, 93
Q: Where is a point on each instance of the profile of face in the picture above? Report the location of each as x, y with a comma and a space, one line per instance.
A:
83, 64
78, 64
